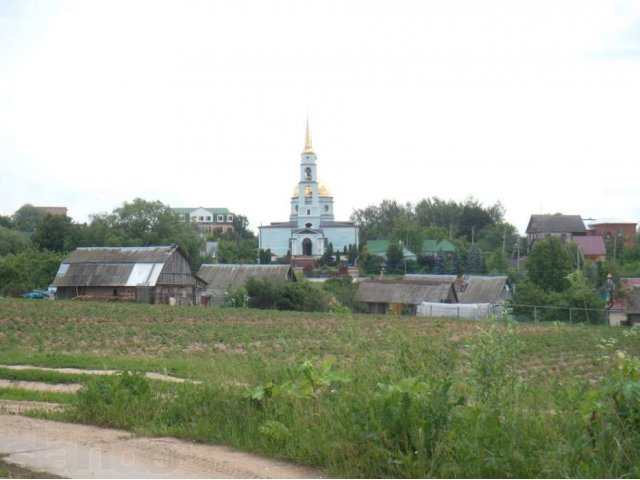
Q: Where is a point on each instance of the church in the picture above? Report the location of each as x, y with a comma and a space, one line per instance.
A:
311, 226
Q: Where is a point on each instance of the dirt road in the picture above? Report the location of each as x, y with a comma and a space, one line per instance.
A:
81, 451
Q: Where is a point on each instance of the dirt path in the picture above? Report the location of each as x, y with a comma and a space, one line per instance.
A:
78, 371
81, 451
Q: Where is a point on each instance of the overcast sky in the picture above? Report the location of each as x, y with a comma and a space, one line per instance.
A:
535, 104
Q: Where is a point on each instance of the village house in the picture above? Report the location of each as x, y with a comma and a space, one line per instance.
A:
471, 288
208, 220
402, 297
565, 227
221, 278
157, 275
622, 233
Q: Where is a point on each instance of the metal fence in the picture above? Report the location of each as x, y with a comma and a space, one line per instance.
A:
571, 315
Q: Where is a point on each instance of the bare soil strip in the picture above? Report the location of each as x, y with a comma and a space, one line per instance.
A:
40, 386
20, 406
79, 371
81, 451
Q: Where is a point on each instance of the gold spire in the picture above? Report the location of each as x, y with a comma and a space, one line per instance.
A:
308, 148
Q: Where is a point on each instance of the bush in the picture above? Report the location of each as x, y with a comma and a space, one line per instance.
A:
28, 270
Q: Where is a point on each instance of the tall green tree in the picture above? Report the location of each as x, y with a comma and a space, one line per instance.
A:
410, 233
377, 222
56, 233
549, 264
395, 258
145, 223
11, 241
27, 218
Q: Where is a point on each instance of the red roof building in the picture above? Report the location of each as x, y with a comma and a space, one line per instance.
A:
592, 247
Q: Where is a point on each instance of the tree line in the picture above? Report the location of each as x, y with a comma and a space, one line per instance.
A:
33, 243
484, 242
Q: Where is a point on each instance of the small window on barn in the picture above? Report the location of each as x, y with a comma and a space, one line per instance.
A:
220, 218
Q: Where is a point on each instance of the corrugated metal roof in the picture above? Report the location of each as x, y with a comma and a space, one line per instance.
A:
120, 254
225, 275
113, 266
407, 293
108, 275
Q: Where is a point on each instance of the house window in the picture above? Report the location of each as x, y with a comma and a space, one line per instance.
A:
229, 218
220, 218
208, 218
308, 212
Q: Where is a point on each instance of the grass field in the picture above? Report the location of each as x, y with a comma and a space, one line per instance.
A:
363, 396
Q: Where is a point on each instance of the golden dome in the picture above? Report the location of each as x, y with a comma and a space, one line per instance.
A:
323, 190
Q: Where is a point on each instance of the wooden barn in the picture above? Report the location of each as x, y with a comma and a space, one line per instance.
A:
402, 297
157, 275
222, 277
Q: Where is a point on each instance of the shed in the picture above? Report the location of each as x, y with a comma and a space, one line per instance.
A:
402, 297
221, 277
633, 307
472, 288
142, 274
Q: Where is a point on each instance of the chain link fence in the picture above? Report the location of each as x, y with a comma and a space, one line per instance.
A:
571, 315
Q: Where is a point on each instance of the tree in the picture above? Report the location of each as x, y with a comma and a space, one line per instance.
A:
11, 241
143, 223
410, 234
264, 256
28, 270
435, 212
549, 264
26, 218
474, 263
498, 263
56, 233
395, 258
378, 222
473, 218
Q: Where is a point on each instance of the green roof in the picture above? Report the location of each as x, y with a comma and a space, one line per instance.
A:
379, 247
214, 211
429, 246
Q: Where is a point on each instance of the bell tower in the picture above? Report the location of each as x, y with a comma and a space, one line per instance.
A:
308, 202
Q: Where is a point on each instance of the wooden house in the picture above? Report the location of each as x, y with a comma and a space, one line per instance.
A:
565, 227
398, 297
157, 275
222, 277
471, 288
